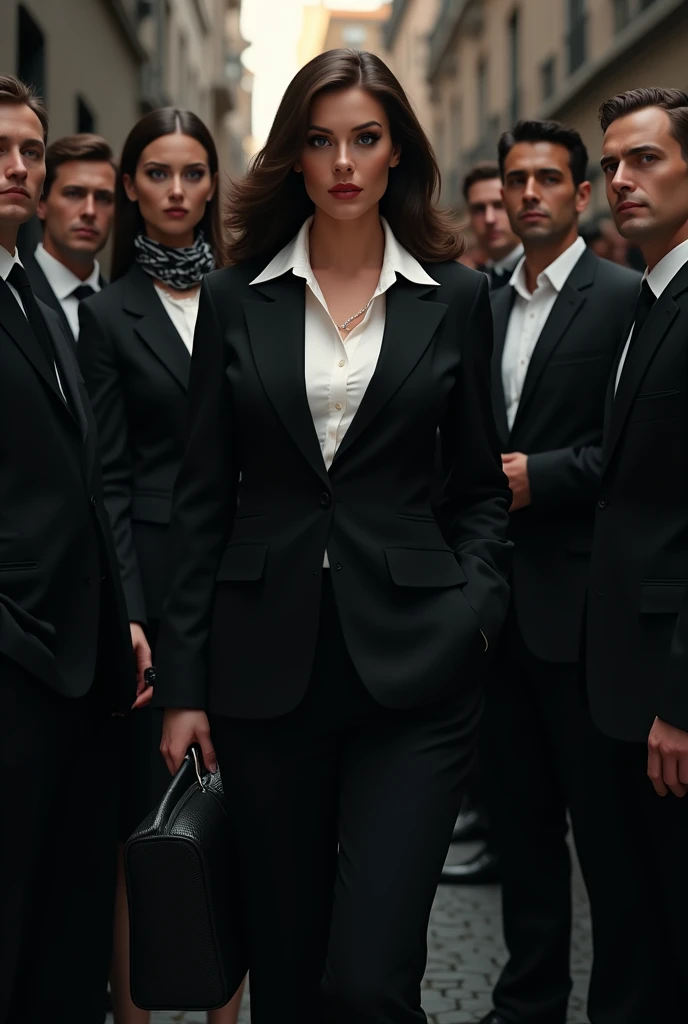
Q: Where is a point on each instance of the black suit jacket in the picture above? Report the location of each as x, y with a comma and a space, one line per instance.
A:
637, 636
136, 368
559, 427
255, 508
43, 291
62, 616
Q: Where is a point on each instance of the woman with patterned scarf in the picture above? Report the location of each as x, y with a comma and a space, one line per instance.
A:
135, 346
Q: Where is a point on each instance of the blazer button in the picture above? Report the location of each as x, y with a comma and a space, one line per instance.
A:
94, 500
325, 499
338, 566
602, 503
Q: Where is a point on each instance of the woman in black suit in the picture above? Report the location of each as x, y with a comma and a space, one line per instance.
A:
321, 627
135, 346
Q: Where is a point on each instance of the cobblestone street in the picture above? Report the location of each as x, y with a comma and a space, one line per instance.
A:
465, 956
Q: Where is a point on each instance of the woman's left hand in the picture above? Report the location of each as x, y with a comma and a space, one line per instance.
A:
142, 653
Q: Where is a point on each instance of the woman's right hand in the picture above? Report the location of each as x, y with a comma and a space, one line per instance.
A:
181, 727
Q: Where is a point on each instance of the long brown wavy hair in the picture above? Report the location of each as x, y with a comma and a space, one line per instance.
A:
268, 206
128, 222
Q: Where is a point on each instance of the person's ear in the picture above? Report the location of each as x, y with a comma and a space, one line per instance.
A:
213, 188
583, 194
41, 210
396, 156
129, 188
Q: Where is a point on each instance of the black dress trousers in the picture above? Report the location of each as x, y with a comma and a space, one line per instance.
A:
57, 853
338, 912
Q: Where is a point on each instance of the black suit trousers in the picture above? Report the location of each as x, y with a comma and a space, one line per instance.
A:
57, 854
537, 765
640, 924
337, 912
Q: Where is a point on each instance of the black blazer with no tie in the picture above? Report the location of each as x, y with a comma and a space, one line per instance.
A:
637, 636
558, 425
62, 615
136, 368
255, 508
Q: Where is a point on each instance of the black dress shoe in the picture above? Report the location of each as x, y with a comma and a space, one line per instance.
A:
470, 825
483, 869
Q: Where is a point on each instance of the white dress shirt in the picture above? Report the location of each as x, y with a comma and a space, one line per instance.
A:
528, 317
658, 279
182, 312
63, 282
507, 264
7, 261
338, 370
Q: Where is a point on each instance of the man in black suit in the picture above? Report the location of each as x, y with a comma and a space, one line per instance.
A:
637, 622
556, 331
489, 222
76, 210
65, 650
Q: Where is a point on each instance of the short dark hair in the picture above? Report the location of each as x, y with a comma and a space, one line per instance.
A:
674, 101
547, 131
13, 90
486, 171
75, 147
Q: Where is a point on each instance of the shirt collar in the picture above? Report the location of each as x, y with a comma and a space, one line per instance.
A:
296, 257
7, 261
60, 278
666, 270
556, 274
507, 262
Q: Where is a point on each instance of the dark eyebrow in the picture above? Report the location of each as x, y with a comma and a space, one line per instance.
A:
633, 151
26, 142
159, 163
356, 128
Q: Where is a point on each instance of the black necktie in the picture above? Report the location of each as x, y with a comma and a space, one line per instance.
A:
18, 278
84, 291
498, 278
644, 304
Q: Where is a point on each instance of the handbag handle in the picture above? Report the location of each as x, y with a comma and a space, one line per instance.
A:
191, 765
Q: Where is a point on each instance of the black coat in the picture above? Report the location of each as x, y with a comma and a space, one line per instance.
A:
136, 368
558, 425
255, 508
43, 291
62, 615
637, 636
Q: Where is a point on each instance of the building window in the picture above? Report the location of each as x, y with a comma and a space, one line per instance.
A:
577, 40
482, 97
514, 67
548, 78
622, 14
354, 36
31, 52
85, 118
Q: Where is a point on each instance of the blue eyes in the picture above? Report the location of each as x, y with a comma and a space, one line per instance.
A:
156, 174
320, 141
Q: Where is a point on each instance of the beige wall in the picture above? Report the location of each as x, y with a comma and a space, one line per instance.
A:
652, 50
357, 30
408, 57
87, 54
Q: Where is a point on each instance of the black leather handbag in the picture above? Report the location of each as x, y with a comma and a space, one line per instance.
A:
187, 945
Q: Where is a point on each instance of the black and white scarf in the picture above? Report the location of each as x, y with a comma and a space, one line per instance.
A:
179, 269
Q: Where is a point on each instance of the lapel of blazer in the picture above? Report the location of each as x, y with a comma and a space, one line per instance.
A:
154, 326
410, 323
17, 326
567, 306
43, 291
69, 373
276, 331
502, 302
619, 405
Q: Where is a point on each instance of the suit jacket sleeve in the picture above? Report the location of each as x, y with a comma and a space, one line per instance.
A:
202, 516
565, 476
103, 378
476, 495
673, 698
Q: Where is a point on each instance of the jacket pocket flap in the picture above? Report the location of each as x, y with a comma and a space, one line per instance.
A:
424, 567
151, 508
662, 597
242, 562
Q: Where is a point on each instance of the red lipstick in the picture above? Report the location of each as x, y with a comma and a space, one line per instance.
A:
345, 190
